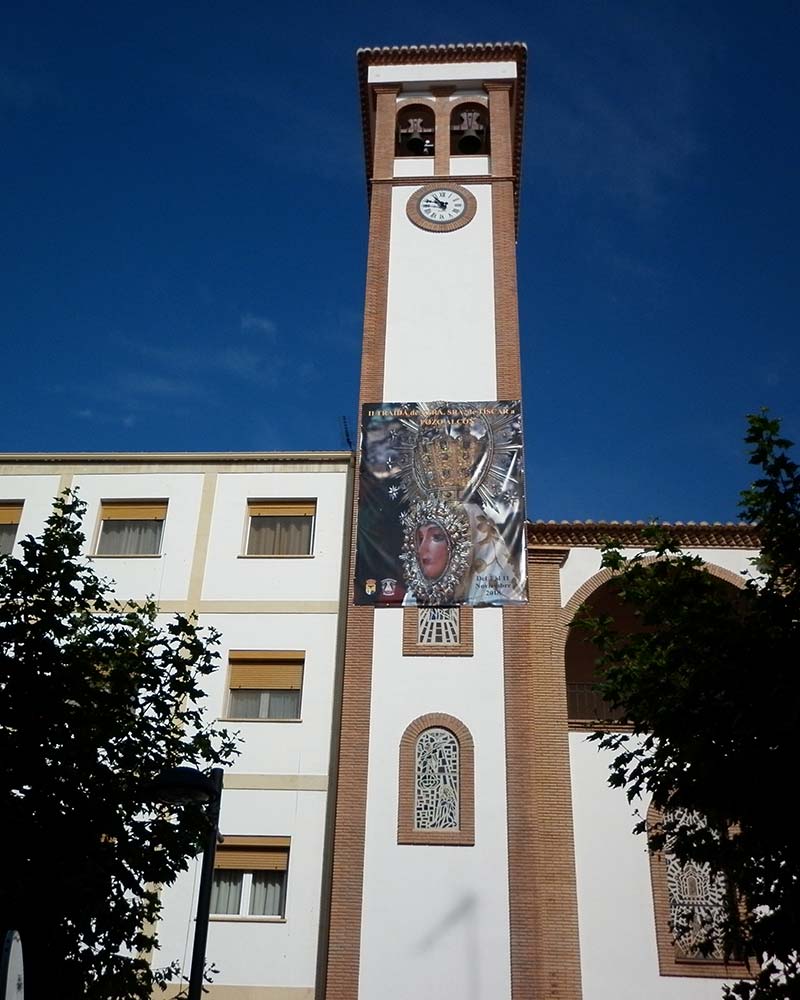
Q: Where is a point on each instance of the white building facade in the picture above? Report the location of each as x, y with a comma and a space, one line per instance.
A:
329, 886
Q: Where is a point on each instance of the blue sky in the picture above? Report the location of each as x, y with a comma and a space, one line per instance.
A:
183, 262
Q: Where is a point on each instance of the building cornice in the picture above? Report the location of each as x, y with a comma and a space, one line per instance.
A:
633, 534
175, 458
416, 55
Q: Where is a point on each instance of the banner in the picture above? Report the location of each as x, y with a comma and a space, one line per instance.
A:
441, 510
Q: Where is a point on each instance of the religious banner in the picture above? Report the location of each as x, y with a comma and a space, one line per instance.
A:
441, 510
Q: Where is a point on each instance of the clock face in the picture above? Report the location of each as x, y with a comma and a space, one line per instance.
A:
442, 205
441, 208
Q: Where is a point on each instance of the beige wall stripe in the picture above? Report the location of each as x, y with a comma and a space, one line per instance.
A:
65, 481
278, 782
201, 538
252, 607
220, 992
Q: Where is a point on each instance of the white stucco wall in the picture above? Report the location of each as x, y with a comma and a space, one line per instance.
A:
440, 308
281, 747
435, 919
433, 73
166, 576
231, 576
619, 960
258, 951
583, 563
37, 493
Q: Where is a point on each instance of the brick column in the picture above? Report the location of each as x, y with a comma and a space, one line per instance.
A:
441, 159
506, 320
545, 953
347, 870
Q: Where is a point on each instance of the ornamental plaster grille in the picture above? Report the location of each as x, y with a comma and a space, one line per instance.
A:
698, 902
438, 627
436, 781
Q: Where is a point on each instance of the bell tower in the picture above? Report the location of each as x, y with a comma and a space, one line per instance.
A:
434, 868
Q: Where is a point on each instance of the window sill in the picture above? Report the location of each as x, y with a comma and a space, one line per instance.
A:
300, 555
246, 918
119, 555
236, 718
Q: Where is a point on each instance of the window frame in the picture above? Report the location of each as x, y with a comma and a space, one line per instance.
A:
11, 513
286, 661
241, 848
276, 507
112, 509
671, 962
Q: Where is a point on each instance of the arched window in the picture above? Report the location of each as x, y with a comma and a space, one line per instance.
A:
437, 783
415, 133
469, 130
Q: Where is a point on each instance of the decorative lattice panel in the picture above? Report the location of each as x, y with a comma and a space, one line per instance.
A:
438, 627
436, 781
698, 900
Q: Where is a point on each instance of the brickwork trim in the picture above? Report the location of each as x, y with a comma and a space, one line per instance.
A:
415, 215
585, 591
350, 814
406, 833
633, 534
543, 903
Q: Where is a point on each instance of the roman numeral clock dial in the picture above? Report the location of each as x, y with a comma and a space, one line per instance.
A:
441, 208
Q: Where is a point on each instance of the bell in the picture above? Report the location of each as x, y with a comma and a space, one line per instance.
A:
415, 143
470, 141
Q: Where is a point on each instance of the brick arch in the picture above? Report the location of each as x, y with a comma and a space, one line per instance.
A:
452, 112
427, 104
594, 583
464, 836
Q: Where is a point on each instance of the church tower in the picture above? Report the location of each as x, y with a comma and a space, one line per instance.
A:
450, 771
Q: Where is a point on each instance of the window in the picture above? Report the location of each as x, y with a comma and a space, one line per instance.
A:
690, 898
280, 527
250, 877
437, 632
10, 513
437, 783
131, 527
265, 685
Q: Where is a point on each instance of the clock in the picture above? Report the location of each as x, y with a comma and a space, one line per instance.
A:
441, 208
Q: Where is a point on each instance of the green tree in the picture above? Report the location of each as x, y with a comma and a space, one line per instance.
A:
96, 699
710, 687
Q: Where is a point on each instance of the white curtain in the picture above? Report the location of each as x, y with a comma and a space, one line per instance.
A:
226, 892
266, 896
8, 532
265, 704
130, 538
279, 536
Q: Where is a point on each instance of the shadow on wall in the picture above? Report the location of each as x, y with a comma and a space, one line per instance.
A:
460, 917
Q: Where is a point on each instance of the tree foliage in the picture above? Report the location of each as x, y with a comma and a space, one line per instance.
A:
710, 688
96, 699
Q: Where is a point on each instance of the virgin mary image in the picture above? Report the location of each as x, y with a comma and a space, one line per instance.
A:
449, 476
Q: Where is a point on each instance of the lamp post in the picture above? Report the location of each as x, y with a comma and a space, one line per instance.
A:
186, 784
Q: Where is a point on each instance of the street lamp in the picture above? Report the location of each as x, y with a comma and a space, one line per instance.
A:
181, 785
